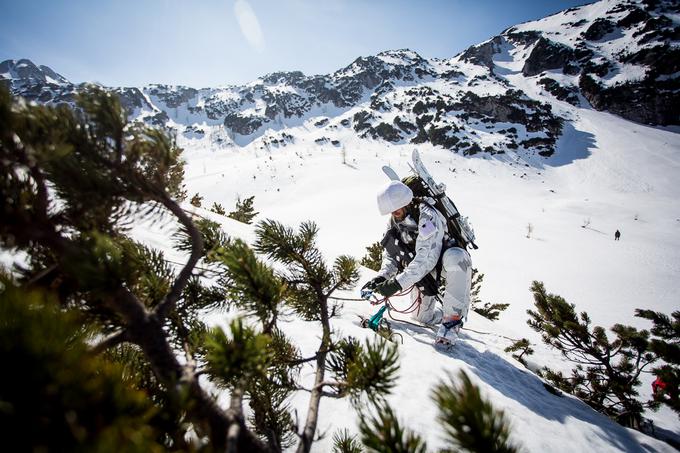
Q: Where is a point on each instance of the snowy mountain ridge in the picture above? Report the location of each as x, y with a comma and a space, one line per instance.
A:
618, 56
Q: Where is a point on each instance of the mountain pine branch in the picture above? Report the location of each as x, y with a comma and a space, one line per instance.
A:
383, 433
612, 367
470, 421
99, 170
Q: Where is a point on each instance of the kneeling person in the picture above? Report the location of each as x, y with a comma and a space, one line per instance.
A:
416, 251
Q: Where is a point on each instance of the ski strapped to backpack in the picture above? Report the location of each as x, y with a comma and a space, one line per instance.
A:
458, 226
423, 186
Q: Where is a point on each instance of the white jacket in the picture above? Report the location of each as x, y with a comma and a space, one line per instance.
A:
431, 229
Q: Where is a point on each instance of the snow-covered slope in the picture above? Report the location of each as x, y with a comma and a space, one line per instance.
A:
311, 148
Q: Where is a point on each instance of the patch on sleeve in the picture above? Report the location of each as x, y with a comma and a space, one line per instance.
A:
426, 229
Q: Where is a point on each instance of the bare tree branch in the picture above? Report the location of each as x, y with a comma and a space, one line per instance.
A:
236, 411
40, 275
175, 292
111, 341
323, 384
307, 436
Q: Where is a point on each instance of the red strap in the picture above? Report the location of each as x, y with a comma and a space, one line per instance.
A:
415, 306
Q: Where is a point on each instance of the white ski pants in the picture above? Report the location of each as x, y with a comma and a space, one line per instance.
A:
457, 270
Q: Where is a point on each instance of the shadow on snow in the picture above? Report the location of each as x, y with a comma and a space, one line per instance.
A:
526, 388
571, 146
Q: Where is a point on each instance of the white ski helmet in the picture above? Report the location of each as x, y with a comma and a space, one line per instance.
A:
396, 195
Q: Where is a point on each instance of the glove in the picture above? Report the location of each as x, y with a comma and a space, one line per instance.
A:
388, 288
371, 284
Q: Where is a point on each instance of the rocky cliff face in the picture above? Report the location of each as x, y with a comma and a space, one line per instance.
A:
498, 97
624, 57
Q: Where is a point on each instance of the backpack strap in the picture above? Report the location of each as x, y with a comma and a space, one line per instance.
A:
413, 209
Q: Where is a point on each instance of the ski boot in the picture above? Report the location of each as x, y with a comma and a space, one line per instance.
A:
448, 332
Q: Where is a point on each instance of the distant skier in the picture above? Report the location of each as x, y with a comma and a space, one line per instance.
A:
617, 235
416, 248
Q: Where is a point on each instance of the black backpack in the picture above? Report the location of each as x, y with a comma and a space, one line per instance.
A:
420, 193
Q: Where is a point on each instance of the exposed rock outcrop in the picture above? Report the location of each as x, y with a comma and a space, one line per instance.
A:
482, 54
243, 125
598, 29
547, 55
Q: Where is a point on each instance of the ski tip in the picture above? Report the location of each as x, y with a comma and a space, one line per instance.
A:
390, 173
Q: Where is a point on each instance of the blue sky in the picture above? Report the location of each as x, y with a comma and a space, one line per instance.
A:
217, 42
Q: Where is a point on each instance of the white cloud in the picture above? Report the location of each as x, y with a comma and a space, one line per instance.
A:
250, 26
